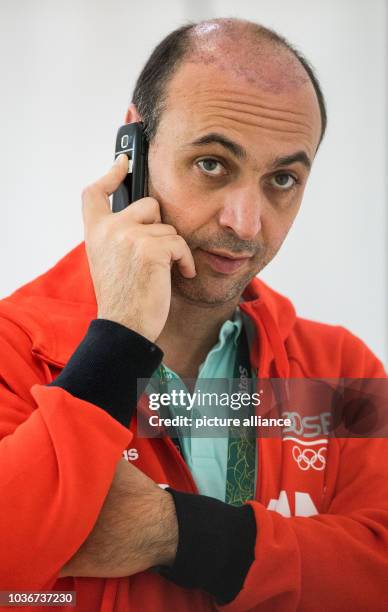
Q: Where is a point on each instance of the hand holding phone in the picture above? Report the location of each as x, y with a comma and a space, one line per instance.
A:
130, 255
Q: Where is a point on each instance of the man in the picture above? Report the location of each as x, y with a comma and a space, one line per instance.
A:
234, 118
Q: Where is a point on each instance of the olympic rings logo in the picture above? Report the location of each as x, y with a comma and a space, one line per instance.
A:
309, 458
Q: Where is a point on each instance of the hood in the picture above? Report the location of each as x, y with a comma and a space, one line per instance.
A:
56, 308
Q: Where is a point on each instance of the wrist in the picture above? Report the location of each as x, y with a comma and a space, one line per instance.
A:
110, 368
125, 322
165, 553
216, 545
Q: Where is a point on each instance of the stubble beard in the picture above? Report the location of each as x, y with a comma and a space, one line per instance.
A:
209, 289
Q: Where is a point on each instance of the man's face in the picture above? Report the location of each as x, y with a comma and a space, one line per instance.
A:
228, 166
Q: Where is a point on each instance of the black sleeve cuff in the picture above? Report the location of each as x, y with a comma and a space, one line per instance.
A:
216, 545
106, 365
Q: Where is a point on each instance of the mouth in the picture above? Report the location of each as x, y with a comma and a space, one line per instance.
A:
224, 262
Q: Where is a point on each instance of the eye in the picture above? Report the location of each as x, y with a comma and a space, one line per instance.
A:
283, 181
211, 166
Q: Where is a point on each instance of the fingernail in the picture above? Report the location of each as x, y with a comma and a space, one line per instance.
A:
119, 158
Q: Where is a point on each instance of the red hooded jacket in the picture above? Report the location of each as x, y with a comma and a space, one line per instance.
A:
322, 540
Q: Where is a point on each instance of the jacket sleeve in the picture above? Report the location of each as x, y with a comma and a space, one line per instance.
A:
337, 560
332, 561
58, 454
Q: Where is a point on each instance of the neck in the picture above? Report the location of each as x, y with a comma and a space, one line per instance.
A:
190, 332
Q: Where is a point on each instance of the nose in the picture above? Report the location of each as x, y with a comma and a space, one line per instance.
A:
242, 212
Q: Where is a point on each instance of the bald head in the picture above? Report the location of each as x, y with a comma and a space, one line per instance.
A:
246, 50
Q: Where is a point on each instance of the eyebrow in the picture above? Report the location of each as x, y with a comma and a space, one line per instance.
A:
213, 137
286, 160
238, 151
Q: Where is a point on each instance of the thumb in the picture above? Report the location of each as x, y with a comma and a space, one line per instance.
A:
95, 198
117, 173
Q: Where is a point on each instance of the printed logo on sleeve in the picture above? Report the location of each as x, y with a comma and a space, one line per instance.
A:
131, 454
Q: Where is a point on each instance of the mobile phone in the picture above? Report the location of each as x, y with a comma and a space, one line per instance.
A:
131, 140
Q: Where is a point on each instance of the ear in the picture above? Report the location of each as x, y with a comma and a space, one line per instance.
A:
132, 115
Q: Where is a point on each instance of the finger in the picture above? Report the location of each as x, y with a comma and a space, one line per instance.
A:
146, 210
160, 229
95, 197
181, 254
94, 204
115, 175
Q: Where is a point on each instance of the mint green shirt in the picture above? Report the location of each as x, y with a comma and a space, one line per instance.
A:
207, 457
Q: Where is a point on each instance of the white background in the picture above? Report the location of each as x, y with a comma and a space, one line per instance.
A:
67, 76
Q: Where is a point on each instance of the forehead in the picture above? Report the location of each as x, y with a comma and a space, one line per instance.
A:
204, 97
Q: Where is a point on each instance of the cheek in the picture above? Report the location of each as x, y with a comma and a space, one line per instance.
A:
276, 225
161, 181
181, 204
